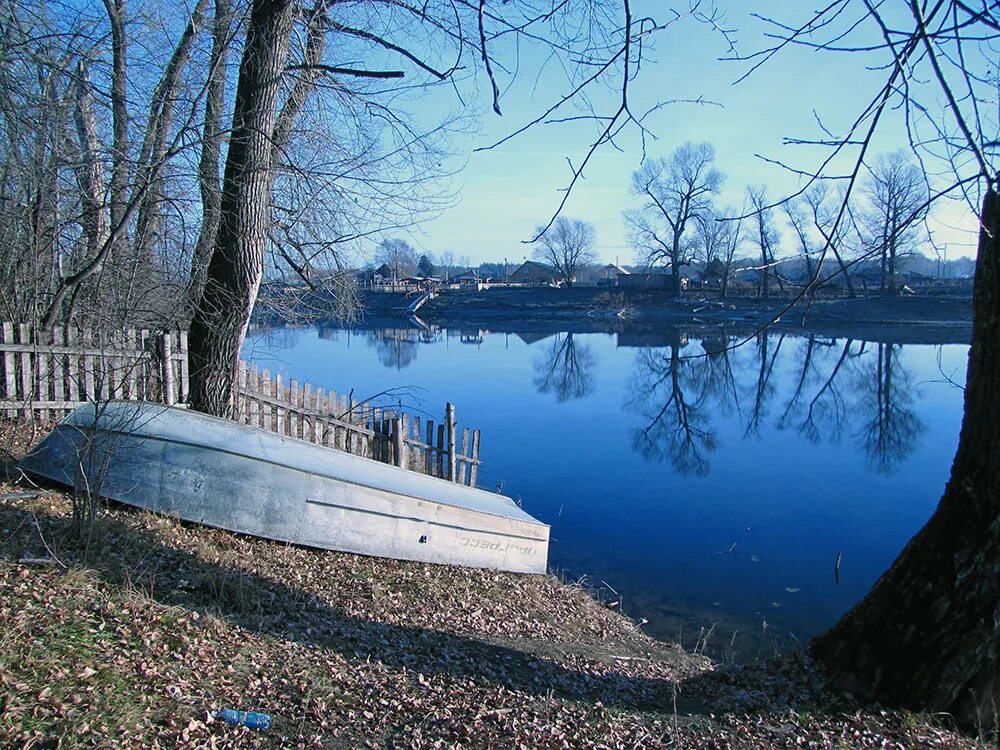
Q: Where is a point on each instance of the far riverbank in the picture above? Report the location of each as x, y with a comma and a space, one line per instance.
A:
901, 319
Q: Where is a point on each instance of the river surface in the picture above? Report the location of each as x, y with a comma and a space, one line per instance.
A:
695, 477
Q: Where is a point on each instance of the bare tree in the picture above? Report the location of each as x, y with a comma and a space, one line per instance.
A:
898, 203
717, 243
566, 246
399, 256
833, 229
763, 236
447, 264
104, 132
675, 192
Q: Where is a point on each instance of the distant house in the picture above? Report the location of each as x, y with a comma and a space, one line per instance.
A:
712, 274
470, 278
376, 276
532, 273
608, 275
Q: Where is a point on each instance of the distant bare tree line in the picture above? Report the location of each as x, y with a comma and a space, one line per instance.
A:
677, 223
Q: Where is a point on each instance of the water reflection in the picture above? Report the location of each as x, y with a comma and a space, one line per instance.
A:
684, 382
397, 347
890, 427
672, 394
565, 369
811, 384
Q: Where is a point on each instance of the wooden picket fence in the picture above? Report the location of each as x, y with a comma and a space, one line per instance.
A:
53, 372
338, 421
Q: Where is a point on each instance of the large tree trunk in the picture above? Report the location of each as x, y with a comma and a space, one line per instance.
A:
928, 634
237, 264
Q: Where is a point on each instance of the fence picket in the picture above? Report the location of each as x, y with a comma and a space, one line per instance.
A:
42, 374
440, 451
58, 372
167, 365
463, 468
9, 365
74, 392
253, 406
132, 363
24, 365
182, 361
449, 412
147, 387
429, 454
475, 458
294, 416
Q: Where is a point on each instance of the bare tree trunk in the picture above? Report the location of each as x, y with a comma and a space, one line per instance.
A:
119, 112
237, 264
843, 269
103, 244
89, 174
154, 145
211, 151
928, 634
891, 265
764, 272
675, 265
305, 82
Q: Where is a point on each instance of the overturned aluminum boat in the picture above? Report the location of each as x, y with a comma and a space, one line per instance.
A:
218, 473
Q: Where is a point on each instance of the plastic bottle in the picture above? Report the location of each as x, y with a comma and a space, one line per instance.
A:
248, 719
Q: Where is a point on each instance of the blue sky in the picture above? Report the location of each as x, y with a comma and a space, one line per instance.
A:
502, 195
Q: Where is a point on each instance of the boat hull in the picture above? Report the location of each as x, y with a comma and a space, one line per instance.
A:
210, 471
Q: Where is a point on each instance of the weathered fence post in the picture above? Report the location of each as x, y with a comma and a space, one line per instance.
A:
9, 366
167, 367
398, 445
475, 459
449, 414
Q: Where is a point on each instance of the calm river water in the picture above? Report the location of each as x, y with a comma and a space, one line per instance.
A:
702, 485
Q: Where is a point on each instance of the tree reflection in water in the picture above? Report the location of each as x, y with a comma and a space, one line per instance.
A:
815, 386
890, 426
565, 369
396, 348
671, 392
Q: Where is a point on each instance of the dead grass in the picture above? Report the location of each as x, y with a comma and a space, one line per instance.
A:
133, 643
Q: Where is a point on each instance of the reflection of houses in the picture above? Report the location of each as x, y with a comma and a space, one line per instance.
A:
472, 337
537, 274
374, 276
468, 335
654, 340
531, 338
